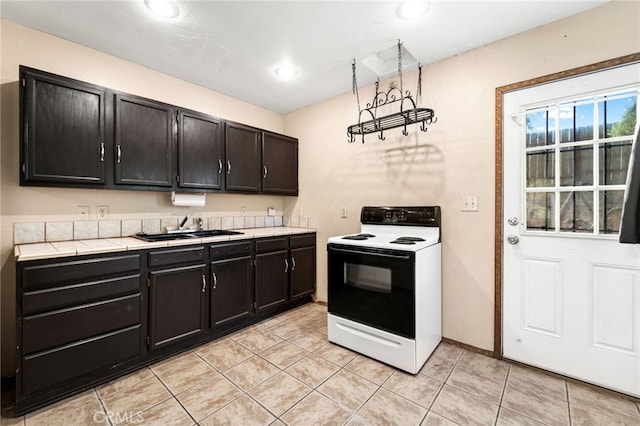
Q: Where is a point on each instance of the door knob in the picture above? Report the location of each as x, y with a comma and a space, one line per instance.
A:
513, 221
513, 239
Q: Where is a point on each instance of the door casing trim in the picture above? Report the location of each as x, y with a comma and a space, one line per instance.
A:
500, 92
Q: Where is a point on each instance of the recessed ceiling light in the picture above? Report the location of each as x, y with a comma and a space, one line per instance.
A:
163, 8
286, 72
412, 9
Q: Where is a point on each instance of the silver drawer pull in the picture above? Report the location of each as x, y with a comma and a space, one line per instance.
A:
264, 172
286, 265
215, 280
119, 153
219, 166
204, 283
293, 263
228, 167
102, 151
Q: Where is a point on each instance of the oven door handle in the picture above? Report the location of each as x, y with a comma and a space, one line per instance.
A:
369, 253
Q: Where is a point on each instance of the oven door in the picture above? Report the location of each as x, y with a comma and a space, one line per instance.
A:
373, 286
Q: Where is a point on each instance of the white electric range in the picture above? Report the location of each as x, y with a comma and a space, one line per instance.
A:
384, 293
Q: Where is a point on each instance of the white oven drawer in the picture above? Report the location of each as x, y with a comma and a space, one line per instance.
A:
391, 349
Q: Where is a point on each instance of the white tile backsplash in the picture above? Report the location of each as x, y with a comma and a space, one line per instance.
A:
85, 230
108, 228
24, 233
39, 232
250, 222
131, 227
238, 222
59, 231
151, 226
215, 223
227, 222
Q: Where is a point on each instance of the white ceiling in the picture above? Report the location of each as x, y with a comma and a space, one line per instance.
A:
233, 47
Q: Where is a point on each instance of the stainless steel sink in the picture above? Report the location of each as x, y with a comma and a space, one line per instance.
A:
184, 235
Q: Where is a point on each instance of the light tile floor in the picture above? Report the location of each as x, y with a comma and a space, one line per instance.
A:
284, 371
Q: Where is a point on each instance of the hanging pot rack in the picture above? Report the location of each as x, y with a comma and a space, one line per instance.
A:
403, 118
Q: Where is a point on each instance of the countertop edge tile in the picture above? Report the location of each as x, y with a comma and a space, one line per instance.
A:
36, 251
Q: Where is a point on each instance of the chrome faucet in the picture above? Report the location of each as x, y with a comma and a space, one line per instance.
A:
199, 223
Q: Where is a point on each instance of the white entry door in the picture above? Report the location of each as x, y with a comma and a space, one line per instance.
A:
571, 291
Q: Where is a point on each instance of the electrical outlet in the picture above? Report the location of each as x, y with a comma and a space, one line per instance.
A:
469, 203
343, 212
82, 212
243, 210
102, 212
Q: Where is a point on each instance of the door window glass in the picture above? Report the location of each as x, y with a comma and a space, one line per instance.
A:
582, 166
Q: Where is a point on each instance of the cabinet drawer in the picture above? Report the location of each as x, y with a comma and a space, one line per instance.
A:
230, 250
51, 274
304, 240
49, 368
86, 292
272, 244
175, 256
61, 327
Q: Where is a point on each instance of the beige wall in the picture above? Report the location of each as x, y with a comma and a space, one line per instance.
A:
454, 158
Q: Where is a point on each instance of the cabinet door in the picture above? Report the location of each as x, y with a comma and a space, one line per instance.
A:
63, 130
200, 151
303, 271
279, 164
143, 142
177, 304
231, 290
272, 274
242, 148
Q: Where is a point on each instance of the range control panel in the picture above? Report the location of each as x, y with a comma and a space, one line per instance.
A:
415, 216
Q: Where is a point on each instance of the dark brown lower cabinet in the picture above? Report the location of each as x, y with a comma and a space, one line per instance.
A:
85, 320
231, 284
177, 295
272, 273
302, 276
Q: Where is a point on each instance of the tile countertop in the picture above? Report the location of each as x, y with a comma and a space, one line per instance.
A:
55, 249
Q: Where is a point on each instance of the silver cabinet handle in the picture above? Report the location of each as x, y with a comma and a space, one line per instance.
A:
219, 166
102, 151
293, 263
228, 167
119, 154
215, 280
513, 239
264, 171
204, 283
286, 265
513, 221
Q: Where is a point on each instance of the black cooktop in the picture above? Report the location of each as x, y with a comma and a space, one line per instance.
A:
358, 237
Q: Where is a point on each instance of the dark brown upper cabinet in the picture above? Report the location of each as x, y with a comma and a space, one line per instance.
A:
63, 130
243, 158
279, 164
75, 134
200, 151
143, 148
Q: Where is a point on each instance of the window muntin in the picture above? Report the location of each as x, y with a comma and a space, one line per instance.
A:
575, 171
